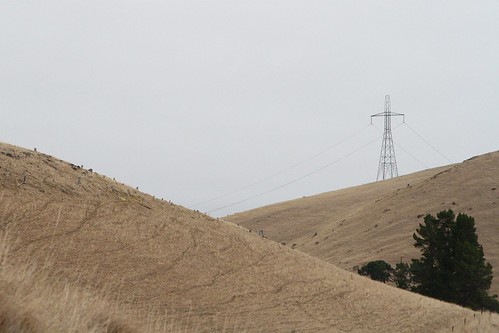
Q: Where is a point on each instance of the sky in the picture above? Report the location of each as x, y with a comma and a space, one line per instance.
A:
224, 106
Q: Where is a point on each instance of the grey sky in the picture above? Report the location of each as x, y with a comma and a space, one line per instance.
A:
190, 100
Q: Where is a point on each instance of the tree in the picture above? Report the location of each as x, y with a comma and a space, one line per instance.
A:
378, 270
401, 276
452, 267
430, 273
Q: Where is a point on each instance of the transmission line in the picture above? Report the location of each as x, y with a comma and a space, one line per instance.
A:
283, 171
435, 149
297, 179
411, 155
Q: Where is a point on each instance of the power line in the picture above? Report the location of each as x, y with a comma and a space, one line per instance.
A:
411, 155
435, 149
283, 171
297, 179
407, 152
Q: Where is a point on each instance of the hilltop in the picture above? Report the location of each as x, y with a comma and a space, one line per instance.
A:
182, 269
352, 226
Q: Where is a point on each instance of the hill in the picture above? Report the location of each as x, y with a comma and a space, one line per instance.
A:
178, 270
352, 226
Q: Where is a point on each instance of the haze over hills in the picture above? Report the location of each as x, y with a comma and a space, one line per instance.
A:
169, 264
352, 226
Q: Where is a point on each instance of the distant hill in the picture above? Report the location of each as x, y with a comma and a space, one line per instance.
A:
177, 270
376, 221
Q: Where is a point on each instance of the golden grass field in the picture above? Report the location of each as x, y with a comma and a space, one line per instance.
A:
376, 221
83, 253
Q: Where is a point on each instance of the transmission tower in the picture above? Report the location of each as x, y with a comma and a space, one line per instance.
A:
387, 163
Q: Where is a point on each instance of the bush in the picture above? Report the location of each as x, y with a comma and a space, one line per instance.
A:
378, 270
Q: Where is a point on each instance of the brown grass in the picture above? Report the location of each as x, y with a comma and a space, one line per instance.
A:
170, 269
33, 301
377, 220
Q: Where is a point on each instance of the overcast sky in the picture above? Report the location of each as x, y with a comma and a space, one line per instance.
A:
191, 100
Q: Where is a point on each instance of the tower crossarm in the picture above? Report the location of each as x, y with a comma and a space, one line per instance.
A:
388, 114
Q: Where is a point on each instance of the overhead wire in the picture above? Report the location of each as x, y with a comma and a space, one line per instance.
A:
316, 170
429, 144
296, 179
282, 171
411, 155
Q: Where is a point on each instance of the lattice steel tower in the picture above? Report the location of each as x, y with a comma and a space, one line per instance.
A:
387, 167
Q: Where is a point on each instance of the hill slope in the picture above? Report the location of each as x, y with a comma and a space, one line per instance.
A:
207, 275
376, 221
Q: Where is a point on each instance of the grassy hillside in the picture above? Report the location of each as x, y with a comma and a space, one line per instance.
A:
178, 269
376, 221
34, 300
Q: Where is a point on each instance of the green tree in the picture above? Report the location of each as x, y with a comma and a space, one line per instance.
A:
378, 270
402, 276
452, 267
431, 272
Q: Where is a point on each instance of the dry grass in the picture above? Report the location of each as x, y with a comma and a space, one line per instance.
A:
33, 300
480, 322
375, 221
172, 269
